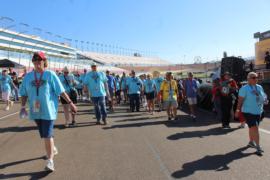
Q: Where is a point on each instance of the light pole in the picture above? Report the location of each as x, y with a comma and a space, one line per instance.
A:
7, 19
49, 34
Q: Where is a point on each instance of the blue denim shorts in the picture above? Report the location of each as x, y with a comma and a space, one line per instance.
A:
45, 128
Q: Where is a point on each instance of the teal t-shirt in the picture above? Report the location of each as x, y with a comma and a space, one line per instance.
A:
69, 83
5, 83
117, 84
149, 85
123, 83
49, 91
158, 82
79, 84
95, 83
134, 85
254, 97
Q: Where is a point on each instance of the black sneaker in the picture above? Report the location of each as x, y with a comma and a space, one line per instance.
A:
104, 121
73, 123
98, 123
169, 118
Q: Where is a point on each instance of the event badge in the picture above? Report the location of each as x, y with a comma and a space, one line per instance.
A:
36, 106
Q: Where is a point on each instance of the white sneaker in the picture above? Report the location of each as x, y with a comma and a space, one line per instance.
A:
6, 108
11, 103
50, 166
55, 151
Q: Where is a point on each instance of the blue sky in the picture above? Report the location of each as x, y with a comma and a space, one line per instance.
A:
178, 30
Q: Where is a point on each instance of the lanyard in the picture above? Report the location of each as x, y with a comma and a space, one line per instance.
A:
95, 76
38, 82
254, 91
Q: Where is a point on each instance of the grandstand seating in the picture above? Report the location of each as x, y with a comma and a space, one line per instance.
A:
121, 60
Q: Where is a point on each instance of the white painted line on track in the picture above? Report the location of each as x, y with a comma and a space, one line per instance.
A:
9, 115
265, 131
163, 168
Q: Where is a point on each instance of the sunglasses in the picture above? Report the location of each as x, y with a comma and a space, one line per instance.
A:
254, 77
36, 58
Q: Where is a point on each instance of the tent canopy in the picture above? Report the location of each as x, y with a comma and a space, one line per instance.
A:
6, 63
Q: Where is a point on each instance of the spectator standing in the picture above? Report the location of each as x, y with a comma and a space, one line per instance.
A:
228, 88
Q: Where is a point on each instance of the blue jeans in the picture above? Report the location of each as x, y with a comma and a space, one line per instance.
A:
217, 107
100, 109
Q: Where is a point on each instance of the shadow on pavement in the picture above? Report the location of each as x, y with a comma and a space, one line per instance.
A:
152, 123
201, 134
31, 175
17, 129
2, 166
123, 115
31, 128
208, 163
186, 121
140, 119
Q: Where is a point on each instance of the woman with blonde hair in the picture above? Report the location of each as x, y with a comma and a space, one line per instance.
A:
150, 90
69, 83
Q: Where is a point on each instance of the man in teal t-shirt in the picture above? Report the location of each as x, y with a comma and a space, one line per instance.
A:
96, 83
134, 88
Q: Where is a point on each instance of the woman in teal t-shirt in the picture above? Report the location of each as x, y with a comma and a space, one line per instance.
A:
250, 102
41, 88
68, 81
6, 83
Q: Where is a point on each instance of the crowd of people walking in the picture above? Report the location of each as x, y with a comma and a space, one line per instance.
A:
41, 90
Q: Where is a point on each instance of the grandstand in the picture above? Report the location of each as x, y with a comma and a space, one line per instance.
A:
19, 47
119, 60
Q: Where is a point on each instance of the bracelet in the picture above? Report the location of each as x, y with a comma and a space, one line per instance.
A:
69, 102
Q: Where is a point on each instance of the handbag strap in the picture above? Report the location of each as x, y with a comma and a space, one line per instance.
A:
67, 82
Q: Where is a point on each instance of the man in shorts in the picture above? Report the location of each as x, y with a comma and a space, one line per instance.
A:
191, 88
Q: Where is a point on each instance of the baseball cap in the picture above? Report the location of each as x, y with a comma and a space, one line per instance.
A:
39, 54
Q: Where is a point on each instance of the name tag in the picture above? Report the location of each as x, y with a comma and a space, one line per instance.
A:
36, 106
